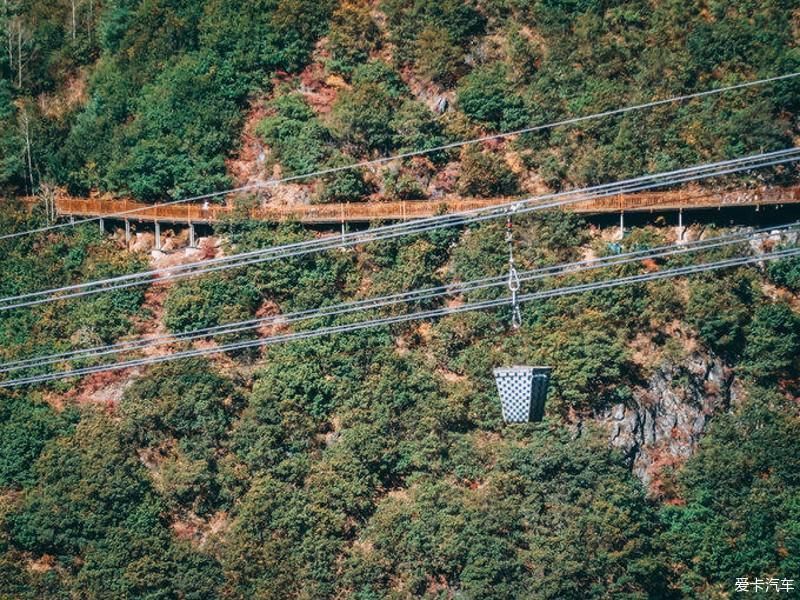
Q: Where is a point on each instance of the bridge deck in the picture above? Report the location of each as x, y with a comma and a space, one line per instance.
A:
402, 210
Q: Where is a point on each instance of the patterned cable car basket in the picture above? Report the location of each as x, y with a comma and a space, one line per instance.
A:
522, 392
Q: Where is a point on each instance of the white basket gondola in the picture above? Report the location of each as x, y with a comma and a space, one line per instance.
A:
522, 392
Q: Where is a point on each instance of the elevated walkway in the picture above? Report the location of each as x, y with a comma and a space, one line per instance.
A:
364, 212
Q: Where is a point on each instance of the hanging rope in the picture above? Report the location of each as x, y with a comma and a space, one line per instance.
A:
513, 277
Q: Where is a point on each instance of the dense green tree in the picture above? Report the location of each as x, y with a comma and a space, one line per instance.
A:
487, 96
12, 144
134, 53
376, 463
411, 266
170, 147
485, 174
167, 96
407, 20
740, 513
92, 499
208, 302
43, 261
185, 402
721, 330
437, 57
303, 282
403, 186
361, 117
27, 425
181, 415
345, 185
353, 36
416, 128
772, 343
260, 37
786, 273
86, 483
591, 362
521, 533
296, 138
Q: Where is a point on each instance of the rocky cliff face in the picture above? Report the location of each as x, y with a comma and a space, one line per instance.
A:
669, 414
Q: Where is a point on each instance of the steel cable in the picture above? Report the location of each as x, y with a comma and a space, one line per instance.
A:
525, 205
404, 155
392, 299
428, 314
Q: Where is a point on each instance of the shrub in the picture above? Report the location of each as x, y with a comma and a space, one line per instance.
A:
348, 185
772, 343
403, 186
416, 128
785, 273
378, 72
298, 141
486, 95
353, 35
437, 58
361, 117
485, 174
12, 147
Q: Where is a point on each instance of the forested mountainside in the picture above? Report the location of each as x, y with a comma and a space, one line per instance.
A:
150, 98
375, 464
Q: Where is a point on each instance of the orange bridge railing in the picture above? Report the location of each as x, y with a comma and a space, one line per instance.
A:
402, 210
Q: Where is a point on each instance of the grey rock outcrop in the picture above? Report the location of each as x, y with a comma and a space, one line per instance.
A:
670, 412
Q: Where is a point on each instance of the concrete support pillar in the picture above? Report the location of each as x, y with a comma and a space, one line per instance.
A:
192, 243
158, 235
127, 231
102, 225
681, 230
72, 219
621, 224
344, 222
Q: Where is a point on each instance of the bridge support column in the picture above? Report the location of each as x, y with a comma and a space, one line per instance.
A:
681, 231
192, 243
102, 225
621, 224
127, 231
158, 235
344, 226
72, 219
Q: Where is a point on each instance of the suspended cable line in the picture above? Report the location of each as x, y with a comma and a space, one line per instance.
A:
520, 206
420, 315
613, 260
420, 152
397, 230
